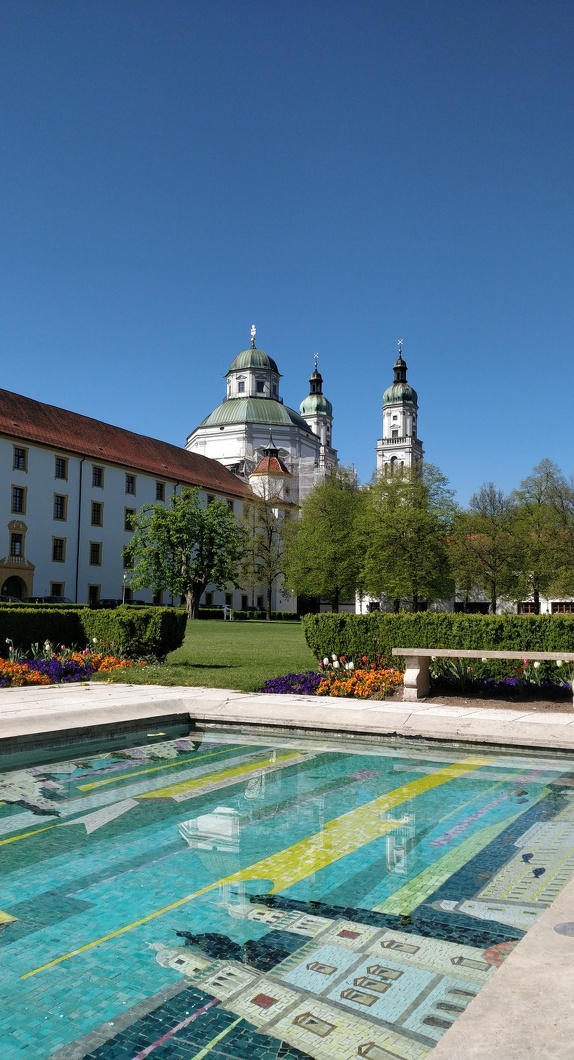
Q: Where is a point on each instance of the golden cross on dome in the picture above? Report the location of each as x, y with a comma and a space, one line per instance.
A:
253, 334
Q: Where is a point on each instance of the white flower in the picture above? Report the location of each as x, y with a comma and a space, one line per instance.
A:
536, 665
94, 640
559, 662
336, 664
350, 666
326, 661
333, 656
484, 660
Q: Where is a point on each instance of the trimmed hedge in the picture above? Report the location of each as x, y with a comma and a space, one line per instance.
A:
127, 631
374, 635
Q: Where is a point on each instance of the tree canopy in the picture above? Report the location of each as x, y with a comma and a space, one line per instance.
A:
322, 556
184, 547
262, 564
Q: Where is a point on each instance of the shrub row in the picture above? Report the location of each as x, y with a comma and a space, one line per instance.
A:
126, 631
374, 635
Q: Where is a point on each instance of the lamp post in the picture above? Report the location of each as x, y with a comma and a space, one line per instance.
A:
124, 580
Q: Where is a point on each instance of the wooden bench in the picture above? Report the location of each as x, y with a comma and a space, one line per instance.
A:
417, 678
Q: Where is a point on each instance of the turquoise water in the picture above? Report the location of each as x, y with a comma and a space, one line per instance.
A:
218, 897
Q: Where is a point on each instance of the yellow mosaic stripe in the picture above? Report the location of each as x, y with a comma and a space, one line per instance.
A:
151, 769
6, 918
222, 1034
352, 829
416, 891
232, 773
24, 835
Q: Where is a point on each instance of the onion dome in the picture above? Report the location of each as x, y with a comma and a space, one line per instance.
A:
400, 392
316, 402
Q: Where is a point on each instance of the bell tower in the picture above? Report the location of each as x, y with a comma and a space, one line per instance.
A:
400, 446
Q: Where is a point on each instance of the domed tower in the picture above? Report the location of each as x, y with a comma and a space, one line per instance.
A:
317, 411
399, 446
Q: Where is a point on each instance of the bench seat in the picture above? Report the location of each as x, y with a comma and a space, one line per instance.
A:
417, 677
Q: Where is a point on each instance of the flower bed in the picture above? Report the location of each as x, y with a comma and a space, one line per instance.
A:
50, 667
339, 676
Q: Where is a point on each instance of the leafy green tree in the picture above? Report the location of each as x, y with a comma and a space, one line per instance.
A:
185, 547
482, 548
404, 522
542, 525
322, 557
263, 561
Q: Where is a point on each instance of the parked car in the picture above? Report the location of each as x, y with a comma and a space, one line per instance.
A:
48, 600
108, 603
6, 599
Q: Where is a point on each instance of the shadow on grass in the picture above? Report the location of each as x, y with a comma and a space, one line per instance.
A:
201, 666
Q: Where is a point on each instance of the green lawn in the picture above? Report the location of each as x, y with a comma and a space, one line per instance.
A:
239, 655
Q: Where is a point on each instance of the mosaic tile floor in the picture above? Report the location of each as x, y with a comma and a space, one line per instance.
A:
209, 897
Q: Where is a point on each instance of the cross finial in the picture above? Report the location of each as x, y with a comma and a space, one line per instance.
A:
253, 334
400, 345
316, 361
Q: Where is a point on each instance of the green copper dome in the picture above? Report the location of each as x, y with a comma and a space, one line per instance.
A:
314, 404
253, 358
400, 393
254, 410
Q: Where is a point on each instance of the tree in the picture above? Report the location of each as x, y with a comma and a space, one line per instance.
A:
185, 547
405, 518
262, 563
321, 552
482, 548
542, 528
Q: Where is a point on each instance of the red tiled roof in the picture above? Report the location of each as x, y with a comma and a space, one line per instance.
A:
271, 465
33, 421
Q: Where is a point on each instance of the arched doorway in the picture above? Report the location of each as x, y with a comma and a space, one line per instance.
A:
14, 586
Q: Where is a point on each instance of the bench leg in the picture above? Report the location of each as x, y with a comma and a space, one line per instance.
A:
416, 679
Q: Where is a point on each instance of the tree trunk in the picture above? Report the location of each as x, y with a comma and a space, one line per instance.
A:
268, 606
397, 605
536, 596
335, 601
415, 601
191, 604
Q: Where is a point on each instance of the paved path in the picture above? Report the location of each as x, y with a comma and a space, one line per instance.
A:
526, 1011
57, 708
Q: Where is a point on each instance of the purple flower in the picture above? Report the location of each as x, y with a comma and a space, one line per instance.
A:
305, 684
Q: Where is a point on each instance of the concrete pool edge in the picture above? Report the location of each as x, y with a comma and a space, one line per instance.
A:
27, 713
527, 1008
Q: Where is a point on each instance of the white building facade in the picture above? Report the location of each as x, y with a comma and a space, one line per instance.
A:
400, 445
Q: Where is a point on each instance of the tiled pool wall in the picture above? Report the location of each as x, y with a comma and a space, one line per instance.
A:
213, 896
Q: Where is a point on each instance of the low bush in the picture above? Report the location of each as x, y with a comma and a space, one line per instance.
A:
129, 632
372, 637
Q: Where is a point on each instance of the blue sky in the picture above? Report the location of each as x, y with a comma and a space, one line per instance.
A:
341, 173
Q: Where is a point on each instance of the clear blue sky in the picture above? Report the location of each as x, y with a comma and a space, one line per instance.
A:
339, 173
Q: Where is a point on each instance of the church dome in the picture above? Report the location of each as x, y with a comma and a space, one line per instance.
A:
266, 411
316, 403
253, 358
400, 392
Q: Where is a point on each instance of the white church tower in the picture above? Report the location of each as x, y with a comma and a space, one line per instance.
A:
399, 446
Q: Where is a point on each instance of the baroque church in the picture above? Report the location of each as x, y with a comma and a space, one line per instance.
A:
71, 484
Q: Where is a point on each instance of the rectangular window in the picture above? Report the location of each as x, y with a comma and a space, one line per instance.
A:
97, 475
97, 513
16, 544
160, 491
59, 550
130, 483
394, 433
56, 588
20, 459
93, 594
230, 505
260, 386
95, 553
127, 562
210, 498
61, 468
129, 514
229, 599
18, 499
241, 388
60, 506
244, 602
209, 599
563, 607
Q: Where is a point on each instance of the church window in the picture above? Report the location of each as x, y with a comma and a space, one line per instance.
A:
18, 499
16, 544
241, 387
61, 467
95, 553
260, 386
394, 433
20, 459
274, 390
58, 551
60, 506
